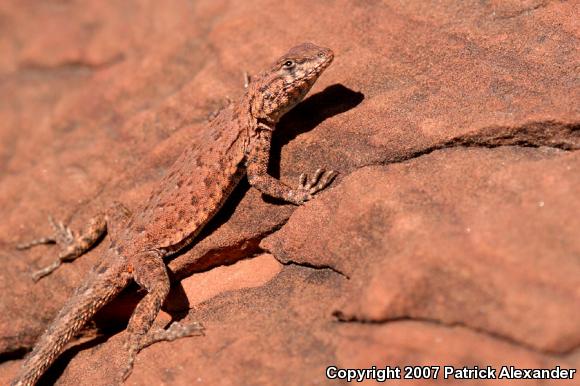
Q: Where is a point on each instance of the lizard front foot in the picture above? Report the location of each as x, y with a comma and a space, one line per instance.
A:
308, 188
71, 245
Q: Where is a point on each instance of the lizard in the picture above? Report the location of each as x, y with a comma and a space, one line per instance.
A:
192, 191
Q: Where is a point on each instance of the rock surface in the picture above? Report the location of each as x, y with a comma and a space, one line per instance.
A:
473, 237
453, 224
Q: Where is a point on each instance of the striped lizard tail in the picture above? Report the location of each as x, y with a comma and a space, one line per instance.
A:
101, 287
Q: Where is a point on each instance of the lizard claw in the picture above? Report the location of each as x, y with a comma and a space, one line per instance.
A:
67, 241
37, 275
35, 242
62, 235
307, 188
319, 181
176, 331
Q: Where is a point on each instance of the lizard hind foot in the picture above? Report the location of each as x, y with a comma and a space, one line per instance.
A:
71, 245
175, 331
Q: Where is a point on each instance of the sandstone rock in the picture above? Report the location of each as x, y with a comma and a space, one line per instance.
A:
98, 99
483, 238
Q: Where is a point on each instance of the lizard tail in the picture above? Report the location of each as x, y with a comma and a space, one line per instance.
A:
98, 290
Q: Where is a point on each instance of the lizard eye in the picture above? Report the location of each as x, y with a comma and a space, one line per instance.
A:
288, 64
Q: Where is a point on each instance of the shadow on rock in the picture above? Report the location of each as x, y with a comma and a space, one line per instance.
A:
314, 110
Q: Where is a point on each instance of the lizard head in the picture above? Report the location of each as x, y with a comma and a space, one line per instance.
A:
287, 82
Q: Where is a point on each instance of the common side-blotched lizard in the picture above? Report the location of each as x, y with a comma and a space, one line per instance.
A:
193, 190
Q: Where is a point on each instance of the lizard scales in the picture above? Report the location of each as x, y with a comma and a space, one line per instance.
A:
192, 191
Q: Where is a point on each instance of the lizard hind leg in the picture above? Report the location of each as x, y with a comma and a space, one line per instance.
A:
151, 274
71, 244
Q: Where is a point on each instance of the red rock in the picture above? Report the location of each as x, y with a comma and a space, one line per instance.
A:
483, 238
98, 98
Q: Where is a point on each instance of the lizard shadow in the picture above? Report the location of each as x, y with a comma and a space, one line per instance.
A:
333, 100
312, 111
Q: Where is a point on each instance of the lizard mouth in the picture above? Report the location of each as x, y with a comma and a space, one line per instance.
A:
314, 73
329, 57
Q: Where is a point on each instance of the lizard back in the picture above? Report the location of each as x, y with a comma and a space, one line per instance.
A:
193, 189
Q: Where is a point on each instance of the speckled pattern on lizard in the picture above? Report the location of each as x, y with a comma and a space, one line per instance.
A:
193, 190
